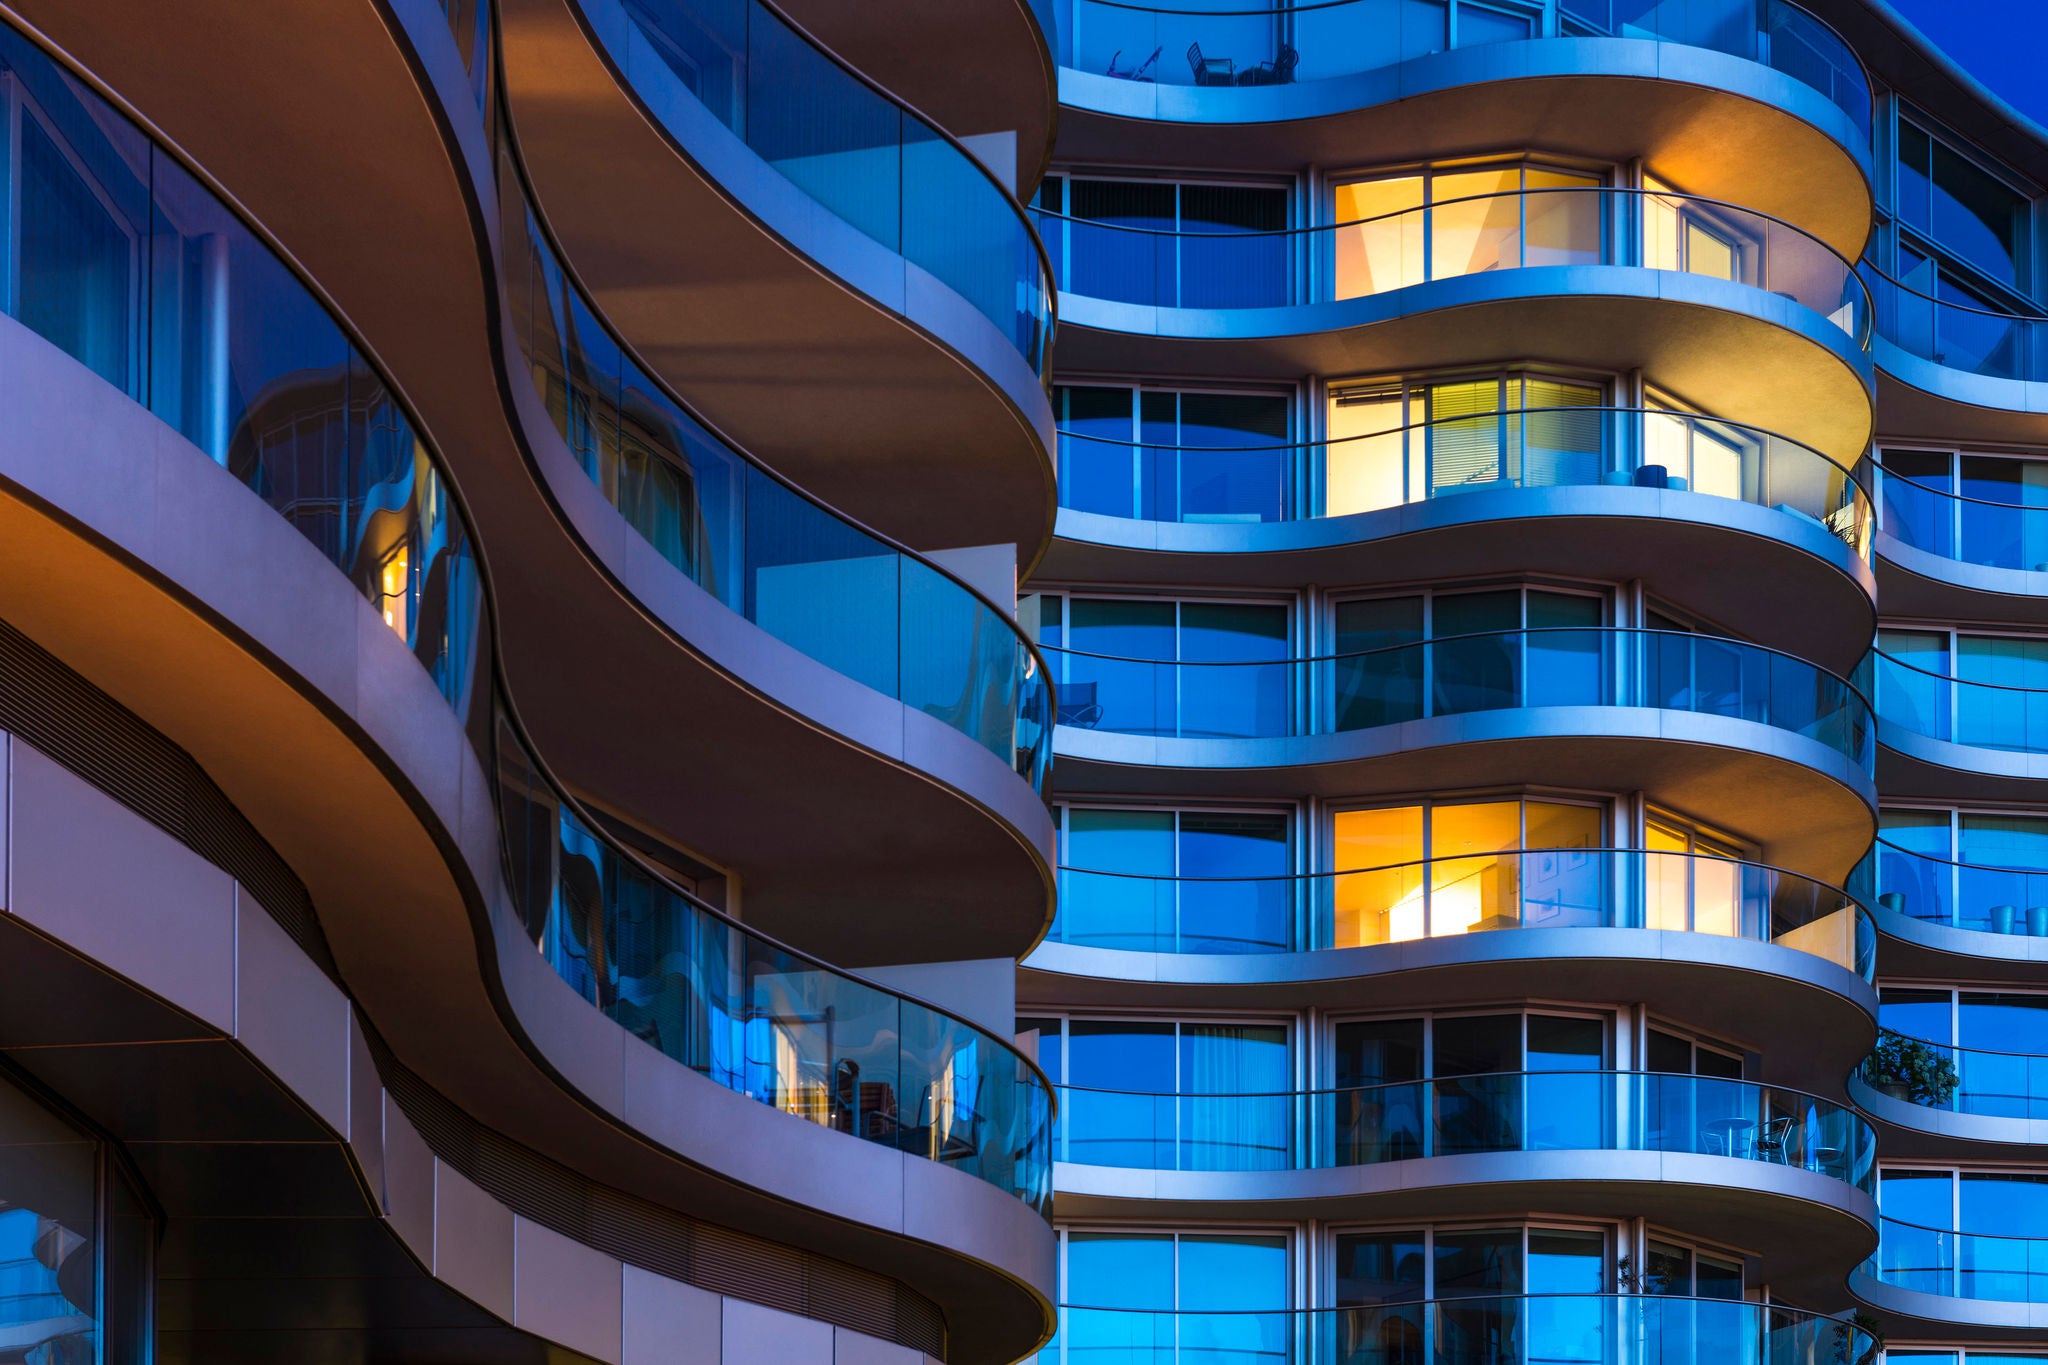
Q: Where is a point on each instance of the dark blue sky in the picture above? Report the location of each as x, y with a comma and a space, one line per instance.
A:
2003, 43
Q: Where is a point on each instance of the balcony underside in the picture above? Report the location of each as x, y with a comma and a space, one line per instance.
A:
1916, 950
1923, 401
1809, 809
1779, 579
1917, 1132
1912, 765
1805, 1227
1758, 994
1736, 352
1913, 1315
267, 1225
1704, 122
1917, 585
847, 369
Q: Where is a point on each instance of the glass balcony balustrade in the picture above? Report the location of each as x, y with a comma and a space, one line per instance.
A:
136, 270
1243, 43
2004, 1085
1220, 267
756, 1016
1980, 714
1918, 507
1960, 1265
1522, 447
1973, 896
469, 21
1475, 1329
1534, 1111
856, 602
1958, 333
1464, 675
864, 155
1466, 894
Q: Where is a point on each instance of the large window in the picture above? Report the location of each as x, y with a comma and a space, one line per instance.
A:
1478, 1278
1162, 1094
1964, 1233
1982, 870
1169, 245
2000, 518
1496, 648
1161, 455
1456, 867
1997, 1041
1137, 1294
1165, 881
1393, 442
1990, 691
1961, 207
1195, 669
1485, 1089
1402, 229
1696, 888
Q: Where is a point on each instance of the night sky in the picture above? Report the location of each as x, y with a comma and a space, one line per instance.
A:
2003, 43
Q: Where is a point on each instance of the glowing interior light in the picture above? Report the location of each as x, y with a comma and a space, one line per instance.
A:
392, 589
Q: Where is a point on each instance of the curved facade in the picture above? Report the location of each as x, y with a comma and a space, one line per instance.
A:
1093, 681
501, 1065
1515, 463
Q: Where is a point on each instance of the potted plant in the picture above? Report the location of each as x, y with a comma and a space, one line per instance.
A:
1871, 1329
1911, 1070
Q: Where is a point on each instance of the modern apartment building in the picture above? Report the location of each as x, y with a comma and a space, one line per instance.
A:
728, 681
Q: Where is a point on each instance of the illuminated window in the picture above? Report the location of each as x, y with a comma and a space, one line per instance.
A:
1395, 441
1397, 230
394, 590
1443, 868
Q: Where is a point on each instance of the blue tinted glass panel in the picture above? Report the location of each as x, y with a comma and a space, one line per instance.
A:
1242, 699
1112, 1270
1235, 896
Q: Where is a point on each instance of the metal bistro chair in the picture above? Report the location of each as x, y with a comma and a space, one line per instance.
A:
1770, 1145
1078, 706
1279, 71
1136, 73
1211, 70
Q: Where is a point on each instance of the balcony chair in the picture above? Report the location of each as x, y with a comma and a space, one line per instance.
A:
1770, 1145
1279, 71
1078, 706
1211, 70
1136, 73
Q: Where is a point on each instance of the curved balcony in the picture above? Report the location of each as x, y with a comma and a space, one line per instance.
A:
1737, 948
1946, 555
1713, 1156
1725, 729
1960, 920
1958, 737
1960, 1095
1770, 321
1618, 1329
1602, 492
870, 609
782, 626
1956, 370
466, 897
1724, 89
878, 256
756, 1016
1963, 1280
